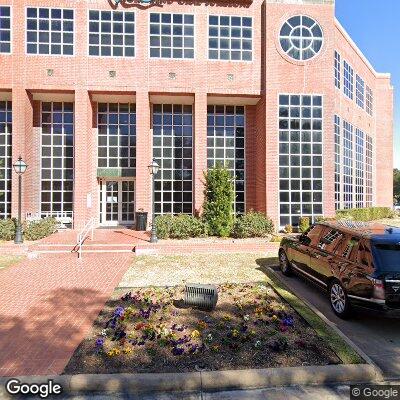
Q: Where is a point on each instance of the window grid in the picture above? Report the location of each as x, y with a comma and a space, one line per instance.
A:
57, 156
338, 164
111, 33
5, 158
5, 29
50, 31
359, 187
347, 165
226, 146
171, 35
368, 171
230, 38
369, 100
348, 85
301, 37
173, 151
116, 123
338, 65
300, 157
360, 90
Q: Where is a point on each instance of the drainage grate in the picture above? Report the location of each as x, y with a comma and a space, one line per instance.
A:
201, 296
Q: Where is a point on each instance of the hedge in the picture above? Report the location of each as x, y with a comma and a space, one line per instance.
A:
179, 226
365, 214
252, 224
36, 230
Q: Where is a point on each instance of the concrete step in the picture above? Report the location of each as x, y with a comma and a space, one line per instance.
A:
44, 248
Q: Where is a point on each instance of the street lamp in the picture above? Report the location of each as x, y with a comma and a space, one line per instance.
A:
153, 170
19, 167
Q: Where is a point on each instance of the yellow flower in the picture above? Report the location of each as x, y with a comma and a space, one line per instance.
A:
235, 333
195, 334
127, 350
226, 318
202, 325
274, 317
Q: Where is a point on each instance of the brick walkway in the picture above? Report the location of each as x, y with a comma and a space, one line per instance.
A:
47, 306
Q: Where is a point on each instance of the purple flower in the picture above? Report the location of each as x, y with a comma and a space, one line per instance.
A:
99, 342
119, 312
193, 349
288, 321
178, 351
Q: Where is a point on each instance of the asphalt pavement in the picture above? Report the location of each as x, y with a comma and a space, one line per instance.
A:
376, 334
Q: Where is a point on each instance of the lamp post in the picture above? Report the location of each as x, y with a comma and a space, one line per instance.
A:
19, 168
153, 170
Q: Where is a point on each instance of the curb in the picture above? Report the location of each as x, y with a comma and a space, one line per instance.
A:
207, 381
379, 373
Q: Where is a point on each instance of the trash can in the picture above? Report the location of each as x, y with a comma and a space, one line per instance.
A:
141, 220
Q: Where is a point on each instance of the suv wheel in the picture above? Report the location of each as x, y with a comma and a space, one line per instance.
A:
338, 298
284, 264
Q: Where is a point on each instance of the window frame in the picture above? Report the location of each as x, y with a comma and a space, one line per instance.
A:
37, 30
229, 38
348, 73
100, 33
172, 58
338, 70
360, 91
11, 30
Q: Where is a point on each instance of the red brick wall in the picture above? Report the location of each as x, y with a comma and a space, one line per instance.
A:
269, 74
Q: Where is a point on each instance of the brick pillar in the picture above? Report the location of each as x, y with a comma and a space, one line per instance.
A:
251, 161
21, 146
199, 150
143, 195
82, 160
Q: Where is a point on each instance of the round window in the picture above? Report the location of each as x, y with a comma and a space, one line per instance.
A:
301, 37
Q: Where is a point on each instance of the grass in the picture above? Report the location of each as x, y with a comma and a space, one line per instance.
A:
8, 261
343, 350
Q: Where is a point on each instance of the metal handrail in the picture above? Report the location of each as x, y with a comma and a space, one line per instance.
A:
89, 227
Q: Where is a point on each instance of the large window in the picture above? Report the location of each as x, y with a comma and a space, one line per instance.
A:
5, 29
116, 123
300, 157
368, 171
369, 104
57, 161
173, 150
338, 65
347, 165
360, 145
360, 90
50, 31
348, 85
5, 158
338, 163
111, 33
171, 35
301, 37
225, 145
230, 38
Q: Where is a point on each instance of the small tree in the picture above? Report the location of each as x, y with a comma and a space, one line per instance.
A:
218, 205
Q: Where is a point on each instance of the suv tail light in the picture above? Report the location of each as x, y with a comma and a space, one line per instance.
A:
379, 288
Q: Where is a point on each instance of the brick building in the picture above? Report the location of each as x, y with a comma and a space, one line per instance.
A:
91, 91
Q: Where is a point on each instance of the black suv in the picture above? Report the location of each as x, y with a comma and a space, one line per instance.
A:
357, 263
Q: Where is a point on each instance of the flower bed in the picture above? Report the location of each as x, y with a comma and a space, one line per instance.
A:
144, 330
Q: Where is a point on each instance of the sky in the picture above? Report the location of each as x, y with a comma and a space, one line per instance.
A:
374, 25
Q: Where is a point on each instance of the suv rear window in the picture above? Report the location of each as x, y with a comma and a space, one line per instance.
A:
387, 256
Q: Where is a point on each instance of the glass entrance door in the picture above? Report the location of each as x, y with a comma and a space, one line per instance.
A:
117, 202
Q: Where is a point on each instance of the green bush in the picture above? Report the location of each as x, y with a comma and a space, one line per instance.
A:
288, 228
253, 224
365, 214
163, 225
304, 224
219, 197
7, 229
179, 227
36, 230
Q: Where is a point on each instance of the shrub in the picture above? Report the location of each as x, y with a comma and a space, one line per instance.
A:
365, 214
218, 204
288, 228
253, 224
7, 229
36, 230
304, 224
179, 227
163, 225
